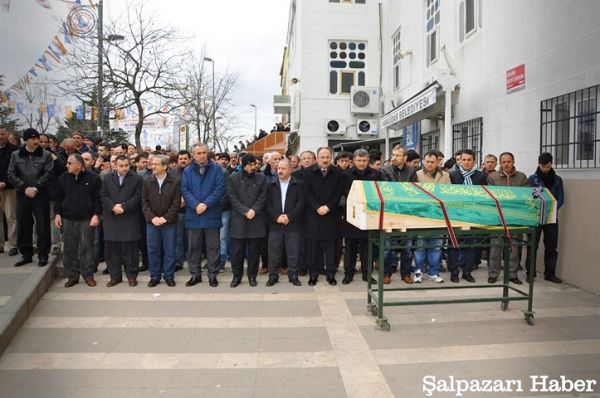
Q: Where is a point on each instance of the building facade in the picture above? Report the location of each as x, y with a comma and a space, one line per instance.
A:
492, 76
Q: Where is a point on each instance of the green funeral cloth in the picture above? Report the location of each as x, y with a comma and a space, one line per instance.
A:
463, 203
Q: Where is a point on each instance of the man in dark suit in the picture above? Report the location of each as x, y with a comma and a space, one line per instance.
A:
121, 197
356, 239
247, 194
285, 205
324, 186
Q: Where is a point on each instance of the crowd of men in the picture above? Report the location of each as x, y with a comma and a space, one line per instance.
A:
279, 215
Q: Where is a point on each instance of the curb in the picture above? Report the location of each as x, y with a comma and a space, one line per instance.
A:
16, 311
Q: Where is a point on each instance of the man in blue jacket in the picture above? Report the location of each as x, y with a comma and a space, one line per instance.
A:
545, 177
203, 186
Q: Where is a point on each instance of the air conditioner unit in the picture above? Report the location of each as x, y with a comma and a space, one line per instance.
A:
335, 127
367, 127
364, 99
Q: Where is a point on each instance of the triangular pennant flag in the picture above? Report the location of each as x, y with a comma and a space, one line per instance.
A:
59, 44
44, 63
66, 33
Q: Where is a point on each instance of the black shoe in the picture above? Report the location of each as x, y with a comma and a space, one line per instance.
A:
252, 282
213, 283
296, 282
553, 279
332, 281
454, 278
312, 281
303, 273
105, 271
153, 282
170, 282
468, 278
143, 268
235, 283
23, 261
13, 252
347, 279
271, 282
516, 281
492, 279
43, 261
193, 280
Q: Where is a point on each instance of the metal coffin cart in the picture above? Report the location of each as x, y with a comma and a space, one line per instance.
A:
403, 215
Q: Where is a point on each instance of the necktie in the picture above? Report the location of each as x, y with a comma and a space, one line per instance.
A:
324, 171
121, 180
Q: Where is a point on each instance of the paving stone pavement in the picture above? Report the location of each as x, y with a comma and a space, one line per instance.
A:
287, 341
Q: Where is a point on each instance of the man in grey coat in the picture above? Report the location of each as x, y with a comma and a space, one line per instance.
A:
248, 195
121, 197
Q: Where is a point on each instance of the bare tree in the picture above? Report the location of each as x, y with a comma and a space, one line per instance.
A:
139, 71
39, 99
196, 93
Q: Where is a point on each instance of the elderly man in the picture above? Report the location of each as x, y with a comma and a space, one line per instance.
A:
30, 172
121, 197
8, 199
285, 207
324, 186
203, 186
506, 176
89, 160
247, 193
161, 199
307, 160
356, 239
398, 171
78, 210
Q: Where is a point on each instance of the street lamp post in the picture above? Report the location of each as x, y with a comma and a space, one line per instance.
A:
213, 96
101, 38
255, 118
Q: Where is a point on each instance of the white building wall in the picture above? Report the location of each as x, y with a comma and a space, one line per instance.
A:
317, 22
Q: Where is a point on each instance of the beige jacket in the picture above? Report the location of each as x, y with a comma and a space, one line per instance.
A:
441, 177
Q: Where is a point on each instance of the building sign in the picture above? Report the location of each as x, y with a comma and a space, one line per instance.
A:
410, 136
515, 78
417, 104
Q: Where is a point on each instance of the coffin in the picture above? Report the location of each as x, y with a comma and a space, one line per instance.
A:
406, 206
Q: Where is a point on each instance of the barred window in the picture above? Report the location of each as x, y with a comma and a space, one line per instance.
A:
397, 57
429, 142
468, 135
569, 129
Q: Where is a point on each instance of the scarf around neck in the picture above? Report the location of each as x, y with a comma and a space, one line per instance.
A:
467, 175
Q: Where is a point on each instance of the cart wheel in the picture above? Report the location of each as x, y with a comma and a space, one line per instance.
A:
530, 320
385, 326
504, 305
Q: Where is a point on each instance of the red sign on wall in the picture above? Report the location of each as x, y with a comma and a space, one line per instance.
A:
515, 78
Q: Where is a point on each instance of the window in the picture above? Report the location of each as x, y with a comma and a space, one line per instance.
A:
569, 129
397, 58
470, 17
432, 21
429, 142
468, 135
347, 65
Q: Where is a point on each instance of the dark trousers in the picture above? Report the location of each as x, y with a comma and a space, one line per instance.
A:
468, 256
284, 244
391, 261
161, 250
143, 242
315, 261
354, 247
78, 249
252, 247
119, 255
27, 209
550, 244
197, 239
264, 252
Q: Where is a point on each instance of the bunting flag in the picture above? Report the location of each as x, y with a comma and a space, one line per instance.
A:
79, 112
42, 60
68, 111
42, 108
51, 110
95, 113
20, 108
88, 113
59, 45
66, 33
44, 3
